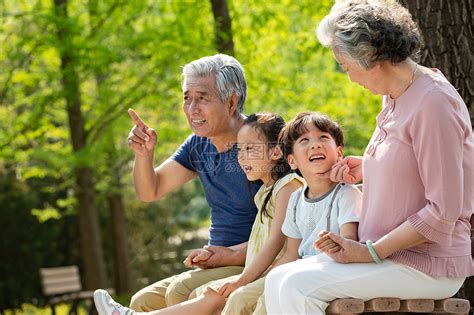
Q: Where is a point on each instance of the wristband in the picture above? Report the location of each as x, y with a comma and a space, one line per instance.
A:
372, 252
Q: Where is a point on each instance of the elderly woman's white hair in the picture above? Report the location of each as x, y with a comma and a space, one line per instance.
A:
370, 31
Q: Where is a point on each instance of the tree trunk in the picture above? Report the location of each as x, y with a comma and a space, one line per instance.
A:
114, 196
448, 33
222, 27
122, 275
447, 30
94, 266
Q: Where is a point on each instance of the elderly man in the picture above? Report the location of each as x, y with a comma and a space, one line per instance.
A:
214, 92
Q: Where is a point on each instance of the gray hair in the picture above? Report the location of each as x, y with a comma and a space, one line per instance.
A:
370, 31
229, 74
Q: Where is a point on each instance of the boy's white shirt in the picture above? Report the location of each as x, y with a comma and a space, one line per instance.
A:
311, 215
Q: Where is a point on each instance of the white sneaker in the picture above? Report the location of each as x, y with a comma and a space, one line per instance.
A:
107, 306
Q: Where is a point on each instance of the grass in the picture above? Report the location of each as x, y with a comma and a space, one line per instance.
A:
61, 309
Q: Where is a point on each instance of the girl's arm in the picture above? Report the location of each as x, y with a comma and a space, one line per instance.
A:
271, 247
291, 253
274, 244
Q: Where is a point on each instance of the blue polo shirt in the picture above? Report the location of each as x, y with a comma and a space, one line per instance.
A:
228, 192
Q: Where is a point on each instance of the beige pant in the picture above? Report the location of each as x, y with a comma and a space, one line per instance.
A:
176, 289
260, 309
243, 300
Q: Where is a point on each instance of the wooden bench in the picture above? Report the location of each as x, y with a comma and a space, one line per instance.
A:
389, 305
63, 285
385, 305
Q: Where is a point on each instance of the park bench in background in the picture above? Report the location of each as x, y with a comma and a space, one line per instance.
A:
389, 305
63, 285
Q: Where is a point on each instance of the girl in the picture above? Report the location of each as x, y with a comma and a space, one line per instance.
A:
261, 158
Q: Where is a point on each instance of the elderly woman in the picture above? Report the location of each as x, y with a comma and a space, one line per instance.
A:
417, 174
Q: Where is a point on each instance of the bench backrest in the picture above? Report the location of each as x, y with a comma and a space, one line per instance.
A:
60, 280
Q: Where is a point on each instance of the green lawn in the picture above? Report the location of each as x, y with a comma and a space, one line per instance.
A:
61, 309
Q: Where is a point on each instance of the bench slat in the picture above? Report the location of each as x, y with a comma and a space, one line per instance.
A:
382, 305
417, 305
452, 306
63, 279
346, 306
62, 288
58, 271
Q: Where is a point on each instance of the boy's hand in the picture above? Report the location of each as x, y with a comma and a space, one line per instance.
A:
325, 244
141, 139
197, 257
348, 170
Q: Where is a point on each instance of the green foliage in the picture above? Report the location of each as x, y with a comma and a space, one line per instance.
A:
130, 54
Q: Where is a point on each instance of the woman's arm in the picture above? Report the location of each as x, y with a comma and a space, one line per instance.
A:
404, 236
350, 251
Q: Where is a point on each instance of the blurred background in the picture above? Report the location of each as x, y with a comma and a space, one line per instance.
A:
70, 69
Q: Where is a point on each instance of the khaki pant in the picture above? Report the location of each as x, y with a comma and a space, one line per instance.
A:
244, 300
176, 289
260, 308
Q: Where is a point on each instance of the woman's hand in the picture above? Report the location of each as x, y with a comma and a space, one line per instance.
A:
341, 249
348, 170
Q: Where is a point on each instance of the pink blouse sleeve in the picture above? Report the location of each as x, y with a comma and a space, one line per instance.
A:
438, 133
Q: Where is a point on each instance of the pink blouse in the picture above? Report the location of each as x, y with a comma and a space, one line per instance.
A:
419, 166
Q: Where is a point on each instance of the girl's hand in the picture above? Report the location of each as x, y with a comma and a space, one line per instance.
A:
227, 288
325, 244
349, 252
348, 170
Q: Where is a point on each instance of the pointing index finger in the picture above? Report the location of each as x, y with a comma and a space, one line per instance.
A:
136, 119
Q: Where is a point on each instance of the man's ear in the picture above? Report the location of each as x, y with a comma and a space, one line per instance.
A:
276, 153
291, 161
233, 104
340, 153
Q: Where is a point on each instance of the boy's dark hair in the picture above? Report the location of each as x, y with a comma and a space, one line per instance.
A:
299, 125
270, 125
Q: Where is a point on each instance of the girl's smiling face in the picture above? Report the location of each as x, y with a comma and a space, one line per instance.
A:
255, 156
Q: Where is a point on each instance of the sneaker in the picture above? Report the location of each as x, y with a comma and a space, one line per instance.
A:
105, 305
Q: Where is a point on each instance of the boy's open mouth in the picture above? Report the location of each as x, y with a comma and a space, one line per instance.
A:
317, 157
